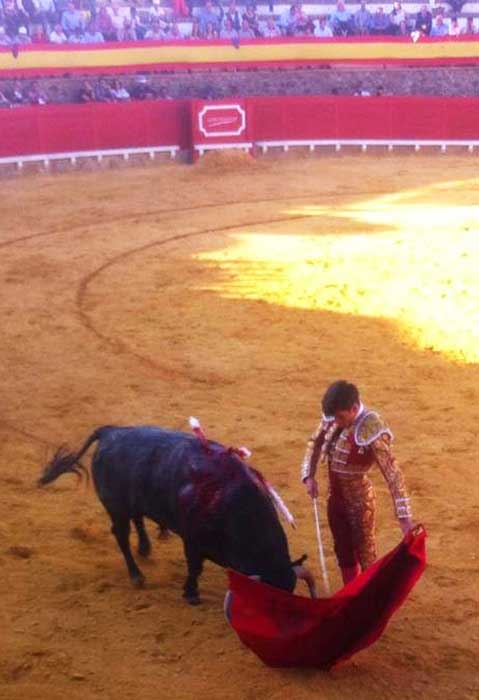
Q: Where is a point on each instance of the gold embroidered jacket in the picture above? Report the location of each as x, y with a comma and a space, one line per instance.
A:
350, 453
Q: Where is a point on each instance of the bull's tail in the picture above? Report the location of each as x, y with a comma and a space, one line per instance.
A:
64, 462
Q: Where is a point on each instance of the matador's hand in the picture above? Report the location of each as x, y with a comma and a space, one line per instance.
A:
311, 487
406, 524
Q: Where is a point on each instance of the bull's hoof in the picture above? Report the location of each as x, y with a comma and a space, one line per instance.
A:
164, 534
192, 598
144, 549
138, 581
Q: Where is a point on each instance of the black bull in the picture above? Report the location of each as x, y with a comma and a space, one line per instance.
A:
205, 493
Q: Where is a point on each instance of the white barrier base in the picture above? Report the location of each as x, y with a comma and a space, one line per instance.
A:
73, 156
245, 146
390, 144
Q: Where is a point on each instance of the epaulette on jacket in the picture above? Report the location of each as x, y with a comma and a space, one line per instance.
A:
369, 428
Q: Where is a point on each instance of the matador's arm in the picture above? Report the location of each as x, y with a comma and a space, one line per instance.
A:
393, 475
313, 449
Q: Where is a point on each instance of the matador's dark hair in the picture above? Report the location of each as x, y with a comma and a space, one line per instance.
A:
339, 396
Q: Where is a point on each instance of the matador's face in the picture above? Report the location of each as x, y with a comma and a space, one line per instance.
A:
346, 417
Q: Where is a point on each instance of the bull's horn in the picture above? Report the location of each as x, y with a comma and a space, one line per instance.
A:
305, 574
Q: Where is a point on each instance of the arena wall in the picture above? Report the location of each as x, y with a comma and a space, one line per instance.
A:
97, 126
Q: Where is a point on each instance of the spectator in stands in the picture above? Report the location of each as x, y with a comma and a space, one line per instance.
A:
162, 94
16, 95
341, 20
195, 29
117, 17
302, 24
252, 17
77, 37
207, 15
29, 10
57, 35
103, 91
46, 14
454, 27
211, 31
22, 37
175, 32
270, 29
105, 25
4, 38
403, 29
13, 17
38, 35
381, 24
127, 33
396, 17
228, 31
155, 32
363, 20
71, 19
36, 95
138, 22
142, 90
60, 7
361, 91
233, 15
86, 93
56, 95
4, 101
119, 92
440, 27
423, 21
322, 29
246, 32
287, 21
87, 10
469, 29
158, 13
92, 35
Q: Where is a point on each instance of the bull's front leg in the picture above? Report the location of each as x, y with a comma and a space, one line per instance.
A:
194, 561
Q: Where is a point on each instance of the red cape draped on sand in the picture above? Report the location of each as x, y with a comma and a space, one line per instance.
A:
289, 630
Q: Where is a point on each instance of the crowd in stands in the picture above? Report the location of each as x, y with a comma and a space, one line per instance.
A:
17, 93
93, 21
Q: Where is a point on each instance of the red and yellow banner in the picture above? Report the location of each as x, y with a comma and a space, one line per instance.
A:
48, 59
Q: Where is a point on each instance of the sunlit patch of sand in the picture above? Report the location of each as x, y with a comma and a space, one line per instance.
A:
419, 270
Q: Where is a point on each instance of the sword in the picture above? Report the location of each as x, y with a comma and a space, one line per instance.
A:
322, 563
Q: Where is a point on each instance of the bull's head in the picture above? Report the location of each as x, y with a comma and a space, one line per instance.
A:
286, 578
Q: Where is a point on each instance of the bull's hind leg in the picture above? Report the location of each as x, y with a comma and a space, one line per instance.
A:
121, 530
144, 545
194, 561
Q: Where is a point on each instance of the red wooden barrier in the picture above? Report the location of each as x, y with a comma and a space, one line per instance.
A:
67, 128
411, 117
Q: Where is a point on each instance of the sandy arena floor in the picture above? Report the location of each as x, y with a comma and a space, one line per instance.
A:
234, 291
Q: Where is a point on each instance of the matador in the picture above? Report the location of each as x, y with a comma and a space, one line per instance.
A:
350, 439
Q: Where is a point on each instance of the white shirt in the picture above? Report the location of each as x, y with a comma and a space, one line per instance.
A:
323, 32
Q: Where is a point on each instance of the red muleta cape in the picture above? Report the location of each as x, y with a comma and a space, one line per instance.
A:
288, 630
